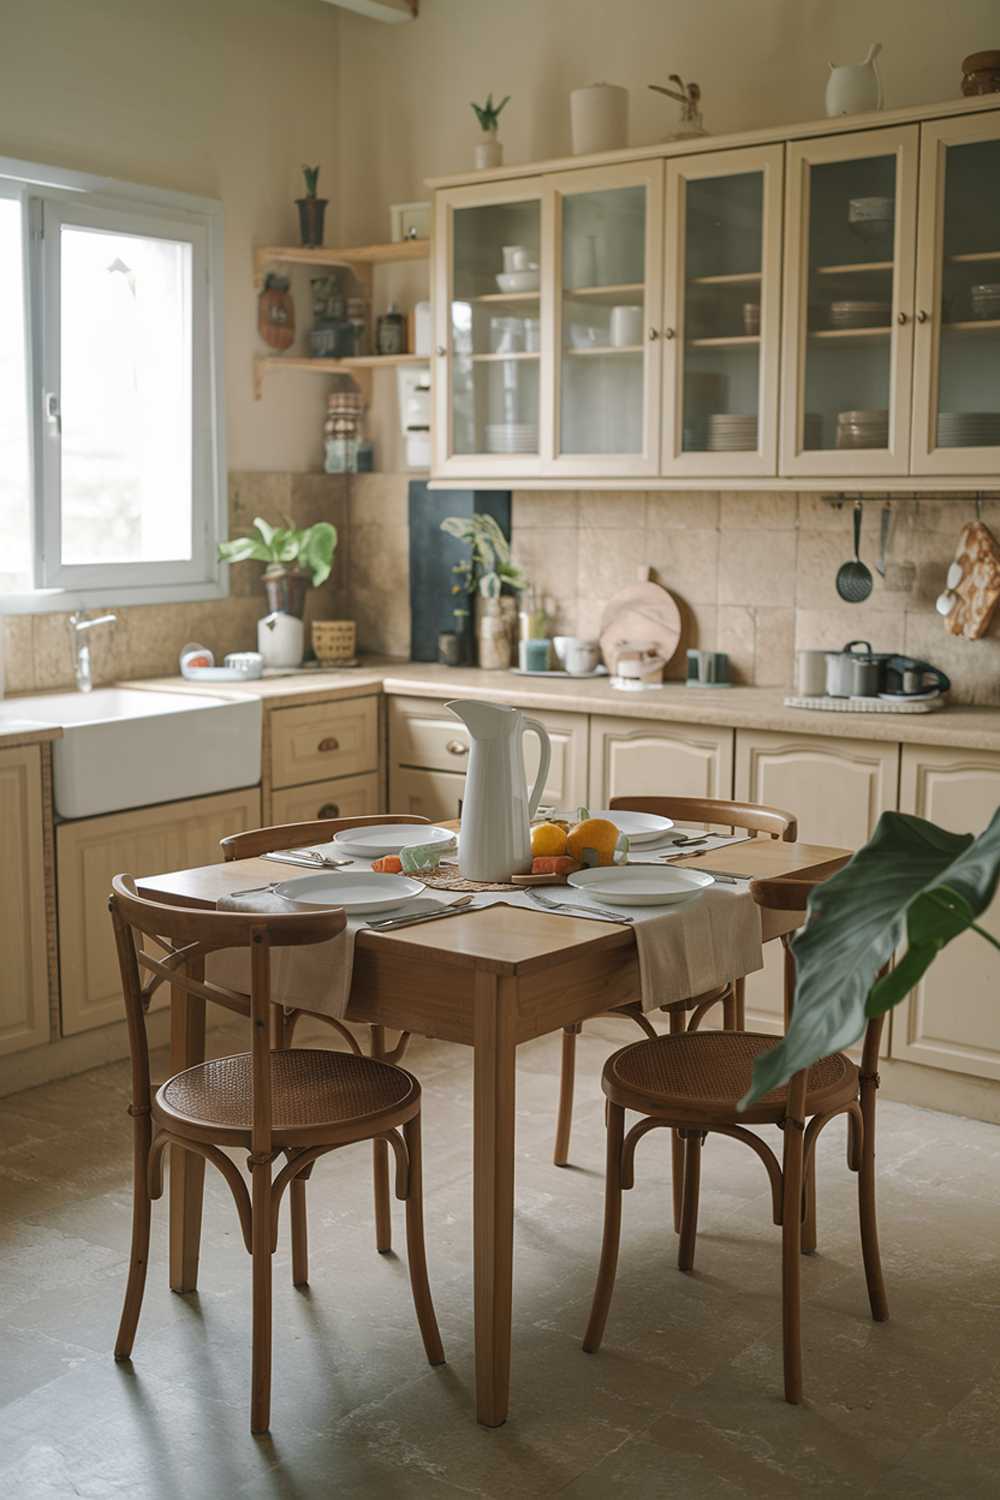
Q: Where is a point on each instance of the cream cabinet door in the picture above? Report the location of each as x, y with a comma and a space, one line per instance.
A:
646, 758
347, 797
426, 794
957, 347
847, 330
952, 1019
24, 988
149, 841
423, 735
322, 740
838, 790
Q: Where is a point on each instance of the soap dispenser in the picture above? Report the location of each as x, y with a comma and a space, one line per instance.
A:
390, 337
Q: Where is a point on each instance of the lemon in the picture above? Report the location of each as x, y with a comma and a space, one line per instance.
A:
593, 833
547, 838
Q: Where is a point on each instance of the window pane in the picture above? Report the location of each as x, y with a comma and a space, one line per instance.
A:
126, 397
15, 468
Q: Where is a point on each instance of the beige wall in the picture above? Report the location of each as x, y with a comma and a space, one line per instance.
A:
405, 90
224, 98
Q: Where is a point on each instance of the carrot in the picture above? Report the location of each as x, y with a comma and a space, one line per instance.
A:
389, 864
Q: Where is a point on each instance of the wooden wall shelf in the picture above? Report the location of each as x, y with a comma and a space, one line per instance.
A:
358, 367
350, 256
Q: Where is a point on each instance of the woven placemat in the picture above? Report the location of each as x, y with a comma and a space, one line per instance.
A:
444, 882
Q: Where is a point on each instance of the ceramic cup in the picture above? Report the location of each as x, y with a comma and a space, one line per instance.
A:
516, 258
626, 327
581, 656
533, 655
559, 644
810, 674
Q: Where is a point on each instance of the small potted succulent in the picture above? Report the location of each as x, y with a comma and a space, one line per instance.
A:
295, 559
311, 211
489, 152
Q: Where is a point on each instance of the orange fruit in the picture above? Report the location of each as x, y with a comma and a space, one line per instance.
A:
593, 833
546, 838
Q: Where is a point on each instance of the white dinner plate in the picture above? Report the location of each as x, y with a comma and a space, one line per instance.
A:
389, 838
641, 828
356, 893
640, 885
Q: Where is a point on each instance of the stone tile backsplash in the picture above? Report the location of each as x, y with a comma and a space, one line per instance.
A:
146, 640
752, 571
753, 574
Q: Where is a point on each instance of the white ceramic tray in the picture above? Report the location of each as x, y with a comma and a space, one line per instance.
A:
869, 705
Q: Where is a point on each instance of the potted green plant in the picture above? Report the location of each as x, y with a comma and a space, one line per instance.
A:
488, 570
489, 152
311, 211
912, 882
295, 559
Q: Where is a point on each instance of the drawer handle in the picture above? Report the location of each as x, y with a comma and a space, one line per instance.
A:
457, 747
328, 744
329, 810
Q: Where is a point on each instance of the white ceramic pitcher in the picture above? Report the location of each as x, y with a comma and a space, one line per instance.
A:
495, 838
855, 88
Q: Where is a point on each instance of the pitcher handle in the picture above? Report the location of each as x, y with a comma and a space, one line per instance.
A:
545, 746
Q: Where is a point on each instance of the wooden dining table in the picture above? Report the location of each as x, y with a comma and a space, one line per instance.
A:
490, 979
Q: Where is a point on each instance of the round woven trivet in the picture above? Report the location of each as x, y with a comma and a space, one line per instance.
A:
442, 882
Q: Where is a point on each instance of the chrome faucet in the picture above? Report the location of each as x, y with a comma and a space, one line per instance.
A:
78, 627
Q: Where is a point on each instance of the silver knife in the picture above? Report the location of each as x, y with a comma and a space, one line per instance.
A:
390, 924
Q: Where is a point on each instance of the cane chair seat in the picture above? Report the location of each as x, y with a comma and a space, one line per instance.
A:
699, 1077
314, 1094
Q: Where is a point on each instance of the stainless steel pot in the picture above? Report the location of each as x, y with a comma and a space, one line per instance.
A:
840, 669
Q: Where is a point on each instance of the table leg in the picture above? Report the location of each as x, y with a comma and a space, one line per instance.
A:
187, 1171
494, 1016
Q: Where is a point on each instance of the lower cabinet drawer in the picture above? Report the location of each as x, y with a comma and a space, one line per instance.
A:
347, 797
429, 794
423, 733
322, 740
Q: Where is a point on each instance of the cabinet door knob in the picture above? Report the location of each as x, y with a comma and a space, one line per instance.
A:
668, 333
328, 744
654, 333
457, 747
329, 810
921, 316
901, 319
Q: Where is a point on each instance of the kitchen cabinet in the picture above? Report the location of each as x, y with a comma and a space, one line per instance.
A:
429, 749
838, 789
24, 985
647, 757
847, 358
957, 364
722, 312
320, 741
952, 1019
606, 313
148, 841
346, 797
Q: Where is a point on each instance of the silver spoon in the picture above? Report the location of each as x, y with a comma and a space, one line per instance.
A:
854, 580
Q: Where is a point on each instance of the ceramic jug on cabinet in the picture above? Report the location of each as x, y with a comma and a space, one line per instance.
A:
495, 837
855, 88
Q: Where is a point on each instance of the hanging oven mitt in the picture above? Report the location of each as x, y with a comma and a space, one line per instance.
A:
978, 592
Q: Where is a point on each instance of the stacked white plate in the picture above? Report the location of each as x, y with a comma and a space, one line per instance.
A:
858, 314
985, 300
512, 437
731, 432
968, 429
863, 429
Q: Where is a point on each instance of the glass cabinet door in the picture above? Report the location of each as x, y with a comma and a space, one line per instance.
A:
489, 301
606, 312
848, 340
956, 406
722, 313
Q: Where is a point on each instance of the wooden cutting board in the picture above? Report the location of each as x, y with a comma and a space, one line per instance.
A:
644, 614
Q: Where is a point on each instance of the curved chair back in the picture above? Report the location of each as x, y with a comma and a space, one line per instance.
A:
187, 935
257, 841
753, 817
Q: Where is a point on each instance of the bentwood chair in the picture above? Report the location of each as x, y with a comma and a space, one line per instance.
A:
682, 1015
250, 845
691, 1084
298, 1104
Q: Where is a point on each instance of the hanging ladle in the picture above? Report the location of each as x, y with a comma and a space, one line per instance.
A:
854, 580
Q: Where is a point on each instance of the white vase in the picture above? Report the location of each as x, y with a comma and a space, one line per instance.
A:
488, 151
598, 116
280, 640
855, 88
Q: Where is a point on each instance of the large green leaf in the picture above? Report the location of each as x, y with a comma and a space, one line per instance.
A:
242, 549
315, 550
911, 879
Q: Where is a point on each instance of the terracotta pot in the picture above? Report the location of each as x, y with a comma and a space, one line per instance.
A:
286, 591
311, 211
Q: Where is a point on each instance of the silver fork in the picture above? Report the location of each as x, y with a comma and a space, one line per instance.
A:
581, 910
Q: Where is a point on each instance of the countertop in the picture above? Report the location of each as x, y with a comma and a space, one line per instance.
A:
26, 731
738, 707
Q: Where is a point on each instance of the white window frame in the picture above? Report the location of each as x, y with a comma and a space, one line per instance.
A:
51, 197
